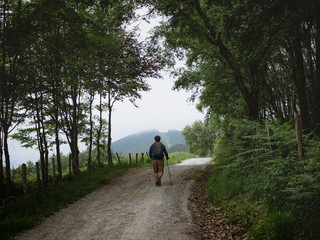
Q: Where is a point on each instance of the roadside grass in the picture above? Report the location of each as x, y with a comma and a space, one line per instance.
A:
25, 212
225, 190
197, 176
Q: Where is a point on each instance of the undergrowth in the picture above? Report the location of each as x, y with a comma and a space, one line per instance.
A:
261, 183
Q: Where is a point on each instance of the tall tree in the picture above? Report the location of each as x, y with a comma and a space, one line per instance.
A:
12, 87
127, 80
259, 47
223, 29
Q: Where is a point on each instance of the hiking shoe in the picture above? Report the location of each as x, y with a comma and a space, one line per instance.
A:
157, 184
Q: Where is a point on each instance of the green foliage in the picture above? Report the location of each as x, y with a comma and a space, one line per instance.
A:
279, 225
69, 53
200, 137
244, 58
257, 164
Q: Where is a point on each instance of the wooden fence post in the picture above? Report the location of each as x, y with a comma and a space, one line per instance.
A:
118, 157
299, 136
142, 160
136, 157
24, 178
54, 172
130, 158
38, 175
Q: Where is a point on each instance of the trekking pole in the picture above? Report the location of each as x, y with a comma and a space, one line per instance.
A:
169, 172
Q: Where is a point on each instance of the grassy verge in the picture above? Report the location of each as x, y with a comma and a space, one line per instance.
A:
24, 212
243, 210
226, 191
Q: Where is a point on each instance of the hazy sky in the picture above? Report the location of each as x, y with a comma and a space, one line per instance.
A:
161, 108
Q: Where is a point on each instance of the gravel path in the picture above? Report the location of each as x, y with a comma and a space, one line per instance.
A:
130, 207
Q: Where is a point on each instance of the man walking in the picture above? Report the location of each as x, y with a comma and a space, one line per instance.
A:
157, 151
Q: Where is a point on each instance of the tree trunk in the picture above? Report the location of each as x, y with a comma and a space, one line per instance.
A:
57, 140
4, 98
41, 150
99, 132
74, 134
70, 127
251, 98
90, 166
275, 108
56, 107
44, 139
57, 128
2, 190
38, 126
75, 154
7, 157
312, 90
316, 100
109, 130
301, 82
46, 152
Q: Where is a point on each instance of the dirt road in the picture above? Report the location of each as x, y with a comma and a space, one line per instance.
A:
130, 207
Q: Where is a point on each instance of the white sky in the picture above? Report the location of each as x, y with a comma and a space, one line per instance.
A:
161, 108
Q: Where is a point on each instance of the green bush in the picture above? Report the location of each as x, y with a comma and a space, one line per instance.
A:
277, 225
257, 167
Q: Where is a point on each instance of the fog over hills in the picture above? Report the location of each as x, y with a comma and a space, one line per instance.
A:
141, 142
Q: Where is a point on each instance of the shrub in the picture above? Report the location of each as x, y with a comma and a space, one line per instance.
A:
259, 162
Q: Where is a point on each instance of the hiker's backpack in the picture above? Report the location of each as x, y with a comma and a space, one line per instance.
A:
157, 150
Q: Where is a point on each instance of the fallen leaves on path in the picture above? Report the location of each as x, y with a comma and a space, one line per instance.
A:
210, 220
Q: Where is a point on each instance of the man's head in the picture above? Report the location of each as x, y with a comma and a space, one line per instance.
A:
157, 138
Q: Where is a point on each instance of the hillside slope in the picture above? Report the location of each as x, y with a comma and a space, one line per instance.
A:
140, 142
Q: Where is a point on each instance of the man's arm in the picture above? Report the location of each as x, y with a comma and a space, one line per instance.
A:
165, 151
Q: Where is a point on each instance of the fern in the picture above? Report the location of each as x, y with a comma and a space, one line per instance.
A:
260, 161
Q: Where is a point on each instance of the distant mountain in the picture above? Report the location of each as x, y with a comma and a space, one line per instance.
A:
141, 142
